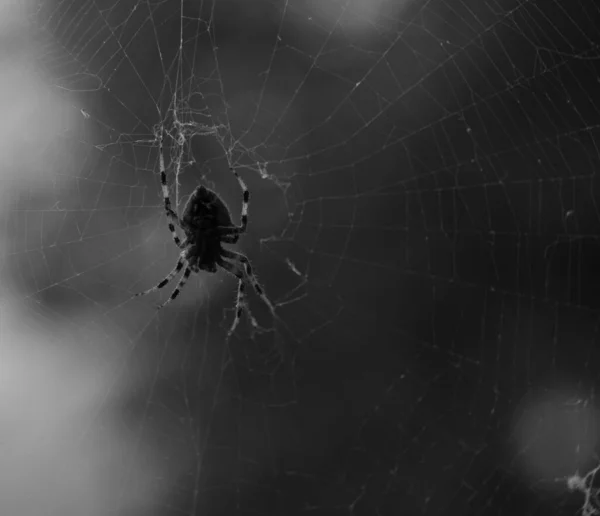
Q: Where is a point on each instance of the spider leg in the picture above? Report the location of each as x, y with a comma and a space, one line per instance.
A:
182, 282
245, 201
166, 280
230, 234
249, 275
171, 215
240, 303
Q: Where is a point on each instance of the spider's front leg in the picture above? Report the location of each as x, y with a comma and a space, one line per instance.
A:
171, 215
231, 234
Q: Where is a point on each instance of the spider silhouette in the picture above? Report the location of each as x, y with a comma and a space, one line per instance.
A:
207, 225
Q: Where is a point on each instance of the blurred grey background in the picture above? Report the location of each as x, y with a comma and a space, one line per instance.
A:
423, 216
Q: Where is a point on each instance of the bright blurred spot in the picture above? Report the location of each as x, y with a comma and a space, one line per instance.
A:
65, 446
556, 436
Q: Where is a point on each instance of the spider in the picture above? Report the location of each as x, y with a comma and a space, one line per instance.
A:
207, 225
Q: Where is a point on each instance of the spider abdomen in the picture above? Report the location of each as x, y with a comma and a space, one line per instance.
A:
202, 216
206, 210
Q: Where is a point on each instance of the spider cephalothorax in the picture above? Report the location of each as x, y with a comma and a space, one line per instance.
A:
207, 225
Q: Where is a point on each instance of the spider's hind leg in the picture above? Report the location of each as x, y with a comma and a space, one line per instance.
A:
180, 285
249, 275
166, 279
241, 305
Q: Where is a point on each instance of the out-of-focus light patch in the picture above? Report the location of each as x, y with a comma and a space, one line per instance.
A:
556, 434
64, 445
33, 117
12, 12
32, 154
358, 15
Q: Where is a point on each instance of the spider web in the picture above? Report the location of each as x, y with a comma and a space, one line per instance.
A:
423, 217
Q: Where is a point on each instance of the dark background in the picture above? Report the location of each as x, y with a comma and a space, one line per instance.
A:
427, 227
